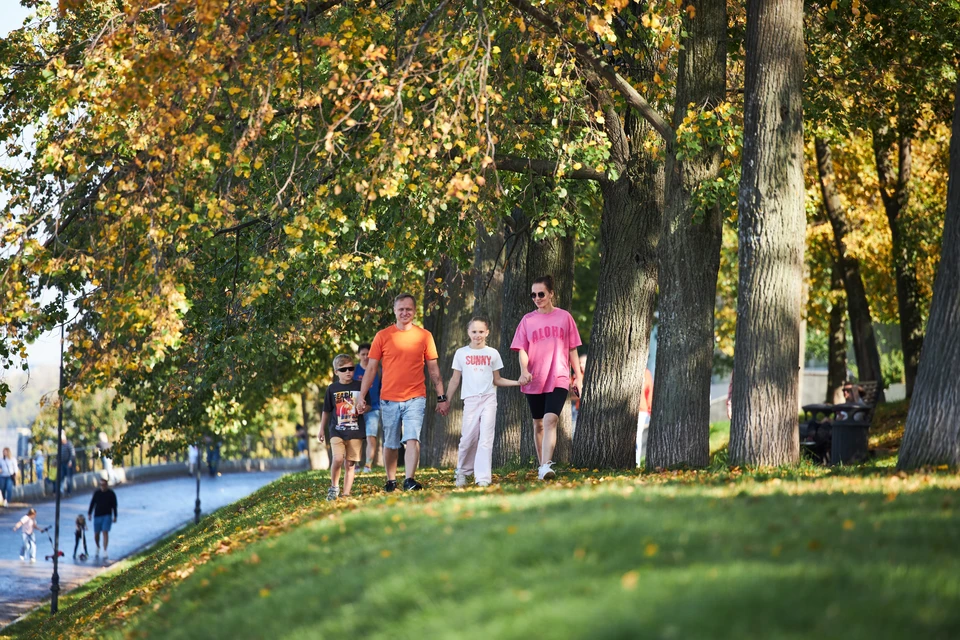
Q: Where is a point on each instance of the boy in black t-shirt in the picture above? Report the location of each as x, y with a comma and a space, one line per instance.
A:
347, 429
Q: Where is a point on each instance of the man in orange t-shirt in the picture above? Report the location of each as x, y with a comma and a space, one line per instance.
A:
403, 349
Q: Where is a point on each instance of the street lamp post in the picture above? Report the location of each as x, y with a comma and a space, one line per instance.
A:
196, 508
55, 580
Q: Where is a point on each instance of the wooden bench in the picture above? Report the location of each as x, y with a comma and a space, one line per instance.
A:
838, 433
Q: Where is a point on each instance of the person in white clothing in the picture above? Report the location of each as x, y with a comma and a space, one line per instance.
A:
479, 367
29, 524
8, 475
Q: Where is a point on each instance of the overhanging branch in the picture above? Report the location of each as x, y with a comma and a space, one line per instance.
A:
517, 164
604, 70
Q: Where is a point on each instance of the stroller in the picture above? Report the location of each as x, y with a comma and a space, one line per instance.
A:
58, 553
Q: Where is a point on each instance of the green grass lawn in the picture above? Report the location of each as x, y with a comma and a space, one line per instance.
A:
860, 552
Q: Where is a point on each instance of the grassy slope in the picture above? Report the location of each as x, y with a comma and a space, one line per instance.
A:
861, 553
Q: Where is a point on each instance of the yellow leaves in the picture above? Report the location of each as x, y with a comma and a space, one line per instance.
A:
385, 553
629, 580
650, 550
512, 529
691, 11
264, 592
849, 525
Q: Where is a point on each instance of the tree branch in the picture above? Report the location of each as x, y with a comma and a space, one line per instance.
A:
517, 164
660, 124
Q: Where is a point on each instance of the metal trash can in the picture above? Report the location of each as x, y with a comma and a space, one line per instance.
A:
849, 443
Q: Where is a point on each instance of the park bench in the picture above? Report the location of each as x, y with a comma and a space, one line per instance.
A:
838, 433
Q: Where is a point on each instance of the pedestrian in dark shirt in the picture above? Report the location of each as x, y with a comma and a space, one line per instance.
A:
68, 459
103, 505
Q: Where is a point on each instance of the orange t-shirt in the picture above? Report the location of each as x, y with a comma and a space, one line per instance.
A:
646, 395
402, 355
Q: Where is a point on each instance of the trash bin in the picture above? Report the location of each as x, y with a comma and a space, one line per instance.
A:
849, 443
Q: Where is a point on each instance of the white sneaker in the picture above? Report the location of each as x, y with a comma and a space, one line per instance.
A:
461, 481
22, 558
483, 483
545, 472
33, 559
105, 556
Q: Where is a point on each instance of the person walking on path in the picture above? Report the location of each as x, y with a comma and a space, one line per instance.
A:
546, 343
38, 462
103, 446
643, 415
80, 534
372, 416
347, 431
29, 525
8, 475
103, 506
479, 367
403, 348
68, 459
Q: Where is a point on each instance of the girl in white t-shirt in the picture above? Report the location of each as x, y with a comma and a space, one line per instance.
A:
479, 367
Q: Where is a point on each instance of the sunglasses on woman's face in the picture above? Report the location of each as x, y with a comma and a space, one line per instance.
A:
538, 294
345, 369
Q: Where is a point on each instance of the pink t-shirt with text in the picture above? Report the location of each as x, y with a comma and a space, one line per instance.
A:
547, 338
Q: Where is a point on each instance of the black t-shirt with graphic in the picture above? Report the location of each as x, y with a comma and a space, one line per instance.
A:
341, 401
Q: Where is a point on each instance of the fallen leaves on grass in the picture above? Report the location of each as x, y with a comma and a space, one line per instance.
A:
629, 580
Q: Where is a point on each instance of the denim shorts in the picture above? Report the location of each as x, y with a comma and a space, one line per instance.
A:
409, 413
102, 523
371, 420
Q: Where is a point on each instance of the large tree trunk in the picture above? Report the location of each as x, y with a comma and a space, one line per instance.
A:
442, 434
861, 324
895, 193
527, 259
837, 339
764, 426
932, 433
689, 259
620, 338
488, 279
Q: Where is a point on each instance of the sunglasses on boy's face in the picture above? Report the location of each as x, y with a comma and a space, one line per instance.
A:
538, 294
345, 369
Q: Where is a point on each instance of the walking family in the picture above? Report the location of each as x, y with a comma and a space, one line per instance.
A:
545, 342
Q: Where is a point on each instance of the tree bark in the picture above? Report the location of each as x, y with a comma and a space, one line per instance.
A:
620, 338
764, 426
488, 279
861, 323
837, 338
895, 193
441, 435
932, 432
528, 259
689, 260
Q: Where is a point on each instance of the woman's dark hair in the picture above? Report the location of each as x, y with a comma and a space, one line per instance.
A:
363, 345
546, 281
485, 322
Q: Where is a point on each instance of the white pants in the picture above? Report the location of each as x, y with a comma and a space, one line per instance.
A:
643, 427
476, 443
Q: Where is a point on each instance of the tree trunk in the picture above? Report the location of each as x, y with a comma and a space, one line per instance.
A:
932, 433
861, 324
620, 338
895, 193
434, 307
764, 426
689, 260
488, 279
526, 260
441, 435
837, 339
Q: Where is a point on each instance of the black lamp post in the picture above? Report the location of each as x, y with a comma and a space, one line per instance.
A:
55, 580
196, 508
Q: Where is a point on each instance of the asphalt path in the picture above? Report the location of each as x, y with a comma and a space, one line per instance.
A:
145, 512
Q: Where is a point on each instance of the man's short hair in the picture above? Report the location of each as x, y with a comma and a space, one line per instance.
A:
340, 359
404, 296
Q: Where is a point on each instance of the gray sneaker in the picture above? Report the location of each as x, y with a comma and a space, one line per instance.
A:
461, 481
333, 493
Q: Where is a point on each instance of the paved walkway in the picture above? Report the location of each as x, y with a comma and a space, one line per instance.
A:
146, 512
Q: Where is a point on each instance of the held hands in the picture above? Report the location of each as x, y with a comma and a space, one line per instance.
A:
361, 406
443, 408
320, 436
525, 378
576, 387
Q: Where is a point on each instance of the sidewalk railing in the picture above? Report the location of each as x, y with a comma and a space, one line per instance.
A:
90, 458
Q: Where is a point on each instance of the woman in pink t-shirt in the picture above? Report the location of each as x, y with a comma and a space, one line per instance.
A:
546, 342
